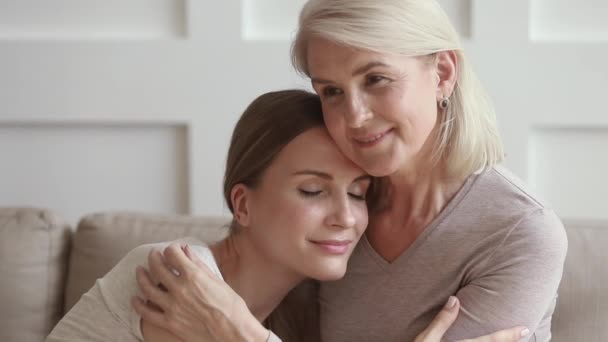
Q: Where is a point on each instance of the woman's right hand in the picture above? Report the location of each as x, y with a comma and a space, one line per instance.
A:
444, 319
193, 304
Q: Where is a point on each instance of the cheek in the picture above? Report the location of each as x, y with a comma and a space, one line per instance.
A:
299, 214
415, 111
427, 116
427, 104
332, 119
362, 218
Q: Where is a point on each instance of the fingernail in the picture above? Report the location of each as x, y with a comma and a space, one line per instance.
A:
451, 302
525, 332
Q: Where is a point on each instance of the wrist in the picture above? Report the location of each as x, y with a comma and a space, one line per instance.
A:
254, 331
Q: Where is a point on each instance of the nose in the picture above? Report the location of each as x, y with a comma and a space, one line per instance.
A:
357, 111
342, 215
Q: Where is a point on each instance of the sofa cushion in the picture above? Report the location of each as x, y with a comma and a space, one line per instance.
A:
101, 240
582, 306
34, 247
581, 312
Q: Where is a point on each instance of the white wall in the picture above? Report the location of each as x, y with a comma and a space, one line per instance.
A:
129, 104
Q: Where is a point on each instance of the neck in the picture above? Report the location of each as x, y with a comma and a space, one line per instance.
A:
257, 278
421, 191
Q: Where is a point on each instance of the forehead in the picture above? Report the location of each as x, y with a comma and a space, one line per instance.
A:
314, 149
320, 49
326, 56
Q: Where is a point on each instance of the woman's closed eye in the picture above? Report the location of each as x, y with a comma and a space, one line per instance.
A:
358, 190
358, 196
309, 192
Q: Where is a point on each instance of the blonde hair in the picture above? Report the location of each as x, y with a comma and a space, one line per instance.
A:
468, 139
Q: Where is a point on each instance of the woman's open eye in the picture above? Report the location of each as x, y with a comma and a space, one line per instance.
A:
374, 79
331, 91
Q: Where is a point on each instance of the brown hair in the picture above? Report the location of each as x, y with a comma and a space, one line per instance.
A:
268, 124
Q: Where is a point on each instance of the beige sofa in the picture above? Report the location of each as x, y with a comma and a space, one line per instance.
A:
45, 266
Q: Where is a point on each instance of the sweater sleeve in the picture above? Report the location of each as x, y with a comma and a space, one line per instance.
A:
517, 284
104, 312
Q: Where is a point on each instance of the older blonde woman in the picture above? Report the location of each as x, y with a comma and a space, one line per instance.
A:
401, 100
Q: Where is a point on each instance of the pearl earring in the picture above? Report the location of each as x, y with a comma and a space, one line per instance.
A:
444, 103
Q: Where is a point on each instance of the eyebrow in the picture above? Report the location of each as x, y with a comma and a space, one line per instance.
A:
368, 66
326, 175
314, 173
363, 69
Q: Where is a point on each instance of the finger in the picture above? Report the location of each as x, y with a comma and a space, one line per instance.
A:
150, 290
148, 313
193, 257
196, 260
444, 319
161, 271
176, 259
508, 335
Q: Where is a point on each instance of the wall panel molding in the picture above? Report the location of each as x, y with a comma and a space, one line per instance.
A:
92, 20
78, 168
568, 166
277, 19
569, 21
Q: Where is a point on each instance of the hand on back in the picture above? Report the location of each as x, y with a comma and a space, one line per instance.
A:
446, 317
194, 305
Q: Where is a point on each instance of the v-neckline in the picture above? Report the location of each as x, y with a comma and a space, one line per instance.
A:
452, 204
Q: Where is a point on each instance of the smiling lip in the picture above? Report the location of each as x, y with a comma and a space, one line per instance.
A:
337, 247
371, 139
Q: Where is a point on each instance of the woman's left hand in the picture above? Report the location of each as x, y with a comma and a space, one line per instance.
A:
446, 317
193, 304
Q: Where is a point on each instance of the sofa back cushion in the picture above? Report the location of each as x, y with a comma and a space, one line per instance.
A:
101, 240
34, 247
582, 306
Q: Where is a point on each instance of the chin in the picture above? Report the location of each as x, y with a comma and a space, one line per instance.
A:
329, 273
380, 171
381, 167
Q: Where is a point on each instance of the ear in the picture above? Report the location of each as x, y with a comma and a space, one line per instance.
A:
446, 66
240, 198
